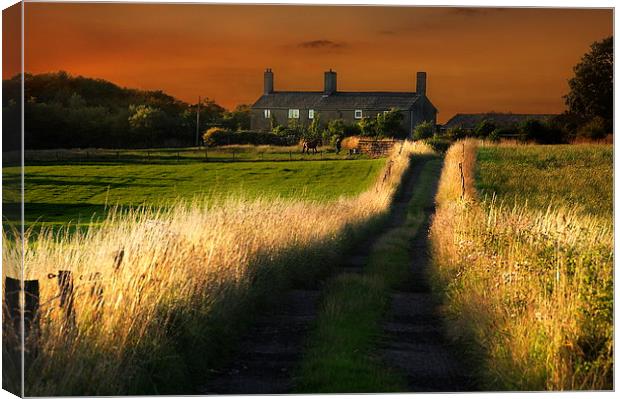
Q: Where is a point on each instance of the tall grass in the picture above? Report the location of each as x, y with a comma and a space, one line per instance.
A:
190, 280
528, 291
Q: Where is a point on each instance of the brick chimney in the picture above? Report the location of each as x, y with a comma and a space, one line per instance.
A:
330, 83
420, 86
268, 81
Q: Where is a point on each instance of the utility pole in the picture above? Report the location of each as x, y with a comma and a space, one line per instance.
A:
198, 123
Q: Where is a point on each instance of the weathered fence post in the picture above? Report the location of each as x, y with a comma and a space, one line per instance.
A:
65, 285
206, 155
118, 155
462, 181
12, 294
290, 155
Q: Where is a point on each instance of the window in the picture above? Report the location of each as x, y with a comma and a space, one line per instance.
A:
310, 114
267, 113
358, 114
293, 114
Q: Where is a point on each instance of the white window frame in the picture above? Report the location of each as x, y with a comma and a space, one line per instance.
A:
310, 114
267, 113
293, 113
358, 114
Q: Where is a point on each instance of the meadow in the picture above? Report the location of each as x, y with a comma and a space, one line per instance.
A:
523, 255
190, 279
82, 191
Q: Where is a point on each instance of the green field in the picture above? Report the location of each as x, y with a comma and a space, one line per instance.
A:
561, 175
61, 192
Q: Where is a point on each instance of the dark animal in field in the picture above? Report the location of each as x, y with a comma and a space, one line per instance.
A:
313, 145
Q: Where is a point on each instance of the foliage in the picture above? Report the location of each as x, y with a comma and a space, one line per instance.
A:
438, 143
368, 126
217, 136
591, 89
238, 119
315, 130
542, 132
457, 133
595, 129
389, 124
484, 128
65, 111
424, 130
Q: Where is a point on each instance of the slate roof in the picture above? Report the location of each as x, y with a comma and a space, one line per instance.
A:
337, 101
469, 121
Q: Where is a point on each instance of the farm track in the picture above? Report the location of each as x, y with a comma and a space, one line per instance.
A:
271, 351
414, 339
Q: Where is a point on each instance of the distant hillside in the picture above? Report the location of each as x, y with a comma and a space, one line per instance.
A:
64, 111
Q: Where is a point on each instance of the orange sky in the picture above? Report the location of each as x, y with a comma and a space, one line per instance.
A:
477, 60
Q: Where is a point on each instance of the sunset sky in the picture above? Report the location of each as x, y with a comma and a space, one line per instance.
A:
477, 60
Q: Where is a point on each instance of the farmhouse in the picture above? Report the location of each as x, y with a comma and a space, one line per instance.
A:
304, 106
502, 120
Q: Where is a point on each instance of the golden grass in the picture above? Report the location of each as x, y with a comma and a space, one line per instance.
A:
189, 278
529, 292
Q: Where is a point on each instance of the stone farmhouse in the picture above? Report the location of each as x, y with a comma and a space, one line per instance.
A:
330, 103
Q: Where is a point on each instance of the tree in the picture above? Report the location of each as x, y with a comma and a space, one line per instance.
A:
591, 89
424, 130
237, 119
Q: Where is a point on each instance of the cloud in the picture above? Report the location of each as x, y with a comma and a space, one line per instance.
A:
322, 44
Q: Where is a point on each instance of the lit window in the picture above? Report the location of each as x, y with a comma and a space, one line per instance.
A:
358, 114
311, 114
267, 113
293, 114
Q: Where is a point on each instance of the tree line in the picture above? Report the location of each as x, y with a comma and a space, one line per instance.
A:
64, 111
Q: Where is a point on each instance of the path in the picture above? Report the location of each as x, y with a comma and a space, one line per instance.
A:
272, 349
414, 340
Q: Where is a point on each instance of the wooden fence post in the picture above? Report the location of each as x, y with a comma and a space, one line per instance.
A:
290, 155
12, 288
65, 286
206, 155
462, 181
12, 293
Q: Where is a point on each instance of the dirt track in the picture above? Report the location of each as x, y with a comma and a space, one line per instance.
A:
272, 349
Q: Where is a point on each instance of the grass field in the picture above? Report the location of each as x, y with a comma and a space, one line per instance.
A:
67, 191
190, 280
576, 176
528, 284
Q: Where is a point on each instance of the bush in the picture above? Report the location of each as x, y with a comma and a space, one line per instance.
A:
218, 136
424, 130
593, 129
438, 143
456, 133
389, 124
542, 133
368, 126
484, 129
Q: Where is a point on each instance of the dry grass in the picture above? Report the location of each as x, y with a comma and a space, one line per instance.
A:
529, 292
190, 278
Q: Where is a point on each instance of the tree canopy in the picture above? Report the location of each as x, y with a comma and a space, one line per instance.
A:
591, 89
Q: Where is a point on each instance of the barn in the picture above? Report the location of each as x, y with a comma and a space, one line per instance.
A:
330, 103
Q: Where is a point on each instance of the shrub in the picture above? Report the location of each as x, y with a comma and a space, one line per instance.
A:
368, 126
484, 129
438, 143
424, 130
456, 133
218, 136
542, 133
593, 129
389, 124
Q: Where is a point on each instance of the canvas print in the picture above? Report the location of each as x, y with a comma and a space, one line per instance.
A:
212, 199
